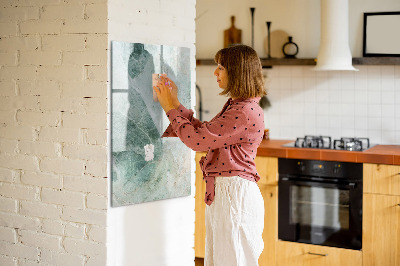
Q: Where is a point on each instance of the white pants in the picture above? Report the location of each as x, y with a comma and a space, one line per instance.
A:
234, 223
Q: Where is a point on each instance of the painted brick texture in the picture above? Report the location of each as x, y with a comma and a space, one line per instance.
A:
53, 132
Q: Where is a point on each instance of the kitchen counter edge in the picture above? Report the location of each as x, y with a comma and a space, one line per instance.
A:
379, 154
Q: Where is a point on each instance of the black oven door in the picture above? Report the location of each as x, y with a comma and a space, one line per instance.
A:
322, 212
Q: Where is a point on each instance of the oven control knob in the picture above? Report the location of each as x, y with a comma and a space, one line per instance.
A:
336, 169
302, 167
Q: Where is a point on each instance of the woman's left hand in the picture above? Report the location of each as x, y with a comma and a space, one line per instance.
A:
163, 91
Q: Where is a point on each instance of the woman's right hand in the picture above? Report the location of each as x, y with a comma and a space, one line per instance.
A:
174, 90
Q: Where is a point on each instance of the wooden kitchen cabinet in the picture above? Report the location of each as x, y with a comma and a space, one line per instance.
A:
267, 168
298, 254
381, 215
200, 207
381, 179
270, 233
381, 230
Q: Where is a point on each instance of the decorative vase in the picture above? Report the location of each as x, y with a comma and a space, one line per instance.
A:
290, 49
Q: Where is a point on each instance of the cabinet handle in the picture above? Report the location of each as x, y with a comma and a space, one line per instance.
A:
318, 254
398, 204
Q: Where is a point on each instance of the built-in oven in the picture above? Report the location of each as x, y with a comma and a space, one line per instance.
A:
320, 202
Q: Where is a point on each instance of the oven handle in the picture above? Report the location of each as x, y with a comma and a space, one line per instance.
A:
297, 181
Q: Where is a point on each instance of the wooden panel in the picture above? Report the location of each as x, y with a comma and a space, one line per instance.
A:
270, 233
267, 168
381, 179
339, 156
200, 206
305, 153
397, 159
297, 254
288, 61
273, 148
375, 158
376, 61
381, 230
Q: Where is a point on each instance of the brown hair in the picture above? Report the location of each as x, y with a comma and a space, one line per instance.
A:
245, 78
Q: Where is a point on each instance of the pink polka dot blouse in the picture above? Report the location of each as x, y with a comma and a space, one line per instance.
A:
231, 139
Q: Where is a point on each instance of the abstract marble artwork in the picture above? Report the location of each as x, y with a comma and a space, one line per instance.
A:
144, 166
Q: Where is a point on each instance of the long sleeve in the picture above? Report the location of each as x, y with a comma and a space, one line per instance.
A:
186, 113
231, 139
222, 131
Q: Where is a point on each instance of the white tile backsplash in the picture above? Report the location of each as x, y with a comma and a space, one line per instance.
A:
361, 110
348, 132
348, 96
322, 121
374, 97
388, 97
374, 83
335, 95
397, 95
361, 125
374, 123
397, 72
322, 109
310, 109
375, 136
374, 110
388, 83
347, 110
387, 124
390, 136
348, 123
397, 123
388, 110
364, 103
322, 95
387, 71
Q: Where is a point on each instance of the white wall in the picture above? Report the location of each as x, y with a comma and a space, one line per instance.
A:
53, 113
299, 18
161, 232
338, 104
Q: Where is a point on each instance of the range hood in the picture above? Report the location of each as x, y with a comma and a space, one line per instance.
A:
334, 51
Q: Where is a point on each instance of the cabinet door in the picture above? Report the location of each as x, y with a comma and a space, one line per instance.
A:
200, 207
267, 168
381, 179
270, 233
297, 254
381, 230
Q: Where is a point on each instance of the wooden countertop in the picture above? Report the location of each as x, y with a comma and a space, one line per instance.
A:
379, 154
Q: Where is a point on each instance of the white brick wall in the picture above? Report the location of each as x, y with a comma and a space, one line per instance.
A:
53, 121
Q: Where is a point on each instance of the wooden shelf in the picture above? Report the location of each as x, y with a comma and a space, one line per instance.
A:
376, 61
288, 62
312, 61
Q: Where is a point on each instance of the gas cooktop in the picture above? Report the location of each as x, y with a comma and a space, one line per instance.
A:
325, 142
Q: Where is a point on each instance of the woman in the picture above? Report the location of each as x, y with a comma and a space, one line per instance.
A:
235, 207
